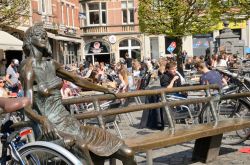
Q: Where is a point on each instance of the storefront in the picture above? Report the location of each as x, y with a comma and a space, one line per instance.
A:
201, 44
65, 50
10, 47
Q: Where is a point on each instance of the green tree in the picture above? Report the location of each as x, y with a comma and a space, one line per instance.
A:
12, 10
179, 18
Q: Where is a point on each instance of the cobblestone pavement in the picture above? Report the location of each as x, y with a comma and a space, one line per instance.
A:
180, 154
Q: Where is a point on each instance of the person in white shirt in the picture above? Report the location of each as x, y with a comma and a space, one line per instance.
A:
221, 62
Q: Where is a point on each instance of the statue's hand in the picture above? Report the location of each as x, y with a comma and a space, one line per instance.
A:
49, 131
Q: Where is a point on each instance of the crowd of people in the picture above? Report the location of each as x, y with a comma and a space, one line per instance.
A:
128, 74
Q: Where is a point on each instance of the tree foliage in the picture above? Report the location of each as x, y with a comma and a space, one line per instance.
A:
235, 9
12, 10
177, 18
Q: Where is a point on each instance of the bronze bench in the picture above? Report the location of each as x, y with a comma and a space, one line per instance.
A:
208, 136
208, 139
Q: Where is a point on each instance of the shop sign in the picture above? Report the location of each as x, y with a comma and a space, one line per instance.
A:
96, 47
171, 47
112, 39
239, 24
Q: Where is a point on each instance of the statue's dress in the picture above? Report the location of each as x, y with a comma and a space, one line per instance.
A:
98, 141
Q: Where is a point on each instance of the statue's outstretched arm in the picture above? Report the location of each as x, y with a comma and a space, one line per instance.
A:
64, 74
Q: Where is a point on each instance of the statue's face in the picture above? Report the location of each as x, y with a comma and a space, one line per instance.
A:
39, 38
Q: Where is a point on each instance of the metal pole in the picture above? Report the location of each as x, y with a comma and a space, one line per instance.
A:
99, 117
166, 108
212, 106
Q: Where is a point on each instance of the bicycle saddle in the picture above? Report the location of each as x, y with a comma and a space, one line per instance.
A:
13, 104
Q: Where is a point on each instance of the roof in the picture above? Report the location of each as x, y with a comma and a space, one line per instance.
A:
9, 42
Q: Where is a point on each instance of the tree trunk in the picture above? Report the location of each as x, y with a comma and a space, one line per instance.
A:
178, 51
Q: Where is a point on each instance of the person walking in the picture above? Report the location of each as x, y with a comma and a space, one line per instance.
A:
12, 76
128, 61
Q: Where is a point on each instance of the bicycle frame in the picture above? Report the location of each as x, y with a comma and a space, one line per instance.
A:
12, 140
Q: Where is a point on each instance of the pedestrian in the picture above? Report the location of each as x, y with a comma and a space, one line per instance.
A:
12, 76
128, 61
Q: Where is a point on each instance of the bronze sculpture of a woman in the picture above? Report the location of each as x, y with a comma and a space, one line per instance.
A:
41, 82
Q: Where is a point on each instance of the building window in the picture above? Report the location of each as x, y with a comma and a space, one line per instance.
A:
44, 7
201, 43
128, 12
97, 51
73, 17
67, 14
96, 13
130, 46
62, 12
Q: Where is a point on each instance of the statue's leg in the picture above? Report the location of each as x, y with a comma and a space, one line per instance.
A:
126, 155
79, 147
82, 147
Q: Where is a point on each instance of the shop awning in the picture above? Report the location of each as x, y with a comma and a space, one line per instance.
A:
62, 38
9, 42
56, 37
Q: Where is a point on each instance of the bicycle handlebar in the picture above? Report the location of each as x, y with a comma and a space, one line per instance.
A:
233, 75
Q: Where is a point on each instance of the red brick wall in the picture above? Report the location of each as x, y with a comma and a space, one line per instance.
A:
114, 13
56, 16
35, 16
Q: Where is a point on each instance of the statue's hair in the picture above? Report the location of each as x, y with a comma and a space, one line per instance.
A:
27, 45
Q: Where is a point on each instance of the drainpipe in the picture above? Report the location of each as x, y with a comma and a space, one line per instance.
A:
30, 15
144, 47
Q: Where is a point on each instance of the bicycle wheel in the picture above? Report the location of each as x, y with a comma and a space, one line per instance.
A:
206, 114
239, 136
46, 153
243, 112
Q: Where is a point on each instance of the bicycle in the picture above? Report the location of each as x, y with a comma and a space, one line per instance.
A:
16, 150
237, 108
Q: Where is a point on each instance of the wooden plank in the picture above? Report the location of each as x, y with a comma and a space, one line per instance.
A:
149, 156
168, 138
207, 149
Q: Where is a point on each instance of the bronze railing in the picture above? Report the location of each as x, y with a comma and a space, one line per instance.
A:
162, 104
83, 99
97, 113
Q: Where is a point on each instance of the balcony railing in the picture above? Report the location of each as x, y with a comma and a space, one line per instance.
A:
89, 30
50, 25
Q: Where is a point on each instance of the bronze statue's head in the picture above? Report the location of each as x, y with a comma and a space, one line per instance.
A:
36, 36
